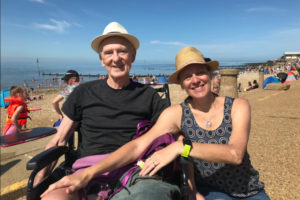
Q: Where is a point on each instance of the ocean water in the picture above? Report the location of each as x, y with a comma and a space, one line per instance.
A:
30, 73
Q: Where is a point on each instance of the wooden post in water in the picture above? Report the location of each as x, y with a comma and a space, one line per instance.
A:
229, 82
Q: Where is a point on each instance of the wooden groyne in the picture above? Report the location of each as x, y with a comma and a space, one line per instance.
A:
99, 75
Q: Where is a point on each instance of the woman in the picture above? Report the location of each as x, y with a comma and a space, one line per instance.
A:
71, 79
218, 128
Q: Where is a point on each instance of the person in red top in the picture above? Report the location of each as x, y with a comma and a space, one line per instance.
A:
17, 110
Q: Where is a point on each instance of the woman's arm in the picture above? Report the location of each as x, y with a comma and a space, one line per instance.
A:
55, 104
232, 153
123, 156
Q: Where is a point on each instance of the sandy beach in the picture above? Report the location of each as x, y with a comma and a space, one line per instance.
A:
274, 139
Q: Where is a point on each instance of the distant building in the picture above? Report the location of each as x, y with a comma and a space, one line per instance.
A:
291, 55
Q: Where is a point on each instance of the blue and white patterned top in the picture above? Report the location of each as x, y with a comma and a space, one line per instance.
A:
67, 90
236, 180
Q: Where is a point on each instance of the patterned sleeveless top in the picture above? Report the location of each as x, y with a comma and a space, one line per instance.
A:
236, 180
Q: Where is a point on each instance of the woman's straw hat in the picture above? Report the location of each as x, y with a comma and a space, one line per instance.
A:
188, 56
114, 29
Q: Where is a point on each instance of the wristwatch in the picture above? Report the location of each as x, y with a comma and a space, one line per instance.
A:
187, 147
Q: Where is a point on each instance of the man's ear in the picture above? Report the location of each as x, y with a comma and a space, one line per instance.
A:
133, 56
101, 59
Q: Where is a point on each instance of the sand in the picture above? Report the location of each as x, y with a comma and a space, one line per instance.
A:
274, 143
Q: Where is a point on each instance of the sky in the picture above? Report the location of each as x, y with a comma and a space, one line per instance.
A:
255, 30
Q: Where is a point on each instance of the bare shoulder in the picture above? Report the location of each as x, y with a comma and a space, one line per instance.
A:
241, 102
240, 105
173, 110
170, 119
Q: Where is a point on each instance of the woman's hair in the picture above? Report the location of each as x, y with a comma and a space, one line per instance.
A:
254, 81
14, 90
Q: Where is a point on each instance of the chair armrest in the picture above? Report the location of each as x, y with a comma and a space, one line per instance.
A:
46, 157
185, 161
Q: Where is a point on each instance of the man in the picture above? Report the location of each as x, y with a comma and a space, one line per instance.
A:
109, 110
71, 79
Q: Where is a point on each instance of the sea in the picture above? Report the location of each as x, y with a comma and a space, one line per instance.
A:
33, 73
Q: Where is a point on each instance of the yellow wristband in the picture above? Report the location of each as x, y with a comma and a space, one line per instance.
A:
140, 163
186, 151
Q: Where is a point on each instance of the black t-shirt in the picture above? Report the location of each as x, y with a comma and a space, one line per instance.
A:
108, 117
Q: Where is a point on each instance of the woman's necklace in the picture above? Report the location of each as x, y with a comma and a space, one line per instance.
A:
208, 123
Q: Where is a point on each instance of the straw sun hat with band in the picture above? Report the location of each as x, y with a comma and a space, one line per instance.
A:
111, 30
188, 56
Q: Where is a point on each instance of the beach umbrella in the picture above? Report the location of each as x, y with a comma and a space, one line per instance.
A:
290, 77
270, 79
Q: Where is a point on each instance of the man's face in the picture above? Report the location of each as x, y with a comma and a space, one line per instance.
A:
117, 55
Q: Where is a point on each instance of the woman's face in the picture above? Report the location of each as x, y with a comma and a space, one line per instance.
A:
196, 80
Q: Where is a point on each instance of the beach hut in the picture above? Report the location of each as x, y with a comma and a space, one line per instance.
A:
270, 79
290, 77
4, 93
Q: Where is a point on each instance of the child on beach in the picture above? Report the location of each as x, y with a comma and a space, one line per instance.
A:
71, 78
17, 110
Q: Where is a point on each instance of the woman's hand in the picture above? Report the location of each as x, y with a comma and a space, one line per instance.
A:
196, 196
161, 158
71, 183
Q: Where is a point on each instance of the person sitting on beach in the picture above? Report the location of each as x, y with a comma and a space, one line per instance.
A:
215, 84
108, 111
216, 131
249, 86
17, 112
71, 78
239, 87
254, 84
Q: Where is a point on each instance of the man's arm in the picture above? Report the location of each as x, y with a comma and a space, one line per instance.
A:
66, 128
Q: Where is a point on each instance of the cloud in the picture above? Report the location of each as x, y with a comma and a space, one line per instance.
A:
57, 26
289, 32
38, 1
264, 9
200, 46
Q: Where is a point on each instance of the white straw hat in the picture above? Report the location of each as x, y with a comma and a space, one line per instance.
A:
114, 29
